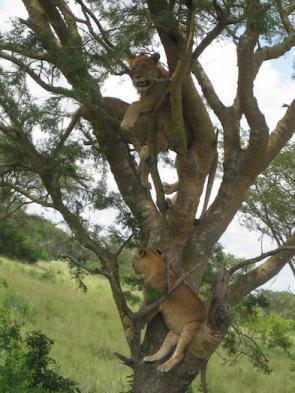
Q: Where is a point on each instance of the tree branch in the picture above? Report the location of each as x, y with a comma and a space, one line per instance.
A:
52, 89
77, 263
259, 258
40, 201
208, 90
75, 118
153, 306
248, 103
178, 77
263, 273
282, 133
273, 52
23, 51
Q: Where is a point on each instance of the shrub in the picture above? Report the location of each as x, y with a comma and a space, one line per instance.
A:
25, 365
13, 243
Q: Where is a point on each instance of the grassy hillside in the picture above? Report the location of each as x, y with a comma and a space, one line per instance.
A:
86, 330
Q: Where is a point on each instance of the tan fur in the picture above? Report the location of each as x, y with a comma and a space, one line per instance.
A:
151, 80
183, 311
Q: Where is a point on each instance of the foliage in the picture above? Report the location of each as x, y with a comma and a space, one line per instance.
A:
15, 243
269, 206
25, 364
31, 237
254, 327
283, 303
68, 52
59, 310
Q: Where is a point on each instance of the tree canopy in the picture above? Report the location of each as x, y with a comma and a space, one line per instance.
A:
68, 49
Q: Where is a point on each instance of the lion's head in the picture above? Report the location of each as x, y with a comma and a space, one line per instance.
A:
146, 70
147, 261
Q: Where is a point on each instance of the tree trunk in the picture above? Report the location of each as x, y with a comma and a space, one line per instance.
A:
146, 377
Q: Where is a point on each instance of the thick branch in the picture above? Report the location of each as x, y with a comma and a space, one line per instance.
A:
177, 79
282, 133
263, 273
259, 258
273, 52
208, 90
56, 20
39, 23
248, 103
24, 51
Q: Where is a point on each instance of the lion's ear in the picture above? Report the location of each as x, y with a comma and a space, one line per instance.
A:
142, 252
130, 60
155, 57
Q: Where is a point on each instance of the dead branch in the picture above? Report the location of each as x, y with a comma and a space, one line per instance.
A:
127, 361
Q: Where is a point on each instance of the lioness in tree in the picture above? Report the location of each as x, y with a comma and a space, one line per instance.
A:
151, 80
183, 311
152, 83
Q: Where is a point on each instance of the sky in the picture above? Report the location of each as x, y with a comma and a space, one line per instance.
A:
273, 87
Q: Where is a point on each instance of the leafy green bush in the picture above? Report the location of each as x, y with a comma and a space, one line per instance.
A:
25, 365
14, 243
253, 328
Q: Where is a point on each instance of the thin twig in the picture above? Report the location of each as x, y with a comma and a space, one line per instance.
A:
68, 130
77, 263
124, 245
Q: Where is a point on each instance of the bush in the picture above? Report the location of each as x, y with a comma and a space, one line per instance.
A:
13, 243
25, 365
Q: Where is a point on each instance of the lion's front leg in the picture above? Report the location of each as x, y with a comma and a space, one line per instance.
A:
131, 116
169, 342
134, 110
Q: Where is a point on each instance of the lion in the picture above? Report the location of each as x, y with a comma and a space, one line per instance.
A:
150, 79
183, 311
152, 83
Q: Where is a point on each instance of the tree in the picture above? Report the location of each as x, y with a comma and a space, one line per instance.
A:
68, 48
269, 205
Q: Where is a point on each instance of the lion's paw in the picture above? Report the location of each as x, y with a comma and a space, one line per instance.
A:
149, 359
167, 366
125, 126
144, 152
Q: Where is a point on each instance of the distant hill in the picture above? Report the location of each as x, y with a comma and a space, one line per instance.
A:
31, 237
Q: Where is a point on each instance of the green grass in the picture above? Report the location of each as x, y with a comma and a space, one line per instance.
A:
85, 327
87, 332
243, 378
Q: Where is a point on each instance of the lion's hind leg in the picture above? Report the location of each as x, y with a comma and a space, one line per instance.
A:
185, 338
169, 342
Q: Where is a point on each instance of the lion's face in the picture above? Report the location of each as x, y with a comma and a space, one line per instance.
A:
144, 70
146, 261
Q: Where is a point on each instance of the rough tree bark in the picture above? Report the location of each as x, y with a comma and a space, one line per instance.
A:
185, 242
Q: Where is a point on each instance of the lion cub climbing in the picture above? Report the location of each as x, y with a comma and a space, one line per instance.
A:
183, 311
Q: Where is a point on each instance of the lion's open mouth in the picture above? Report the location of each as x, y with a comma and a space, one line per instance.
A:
142, 83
